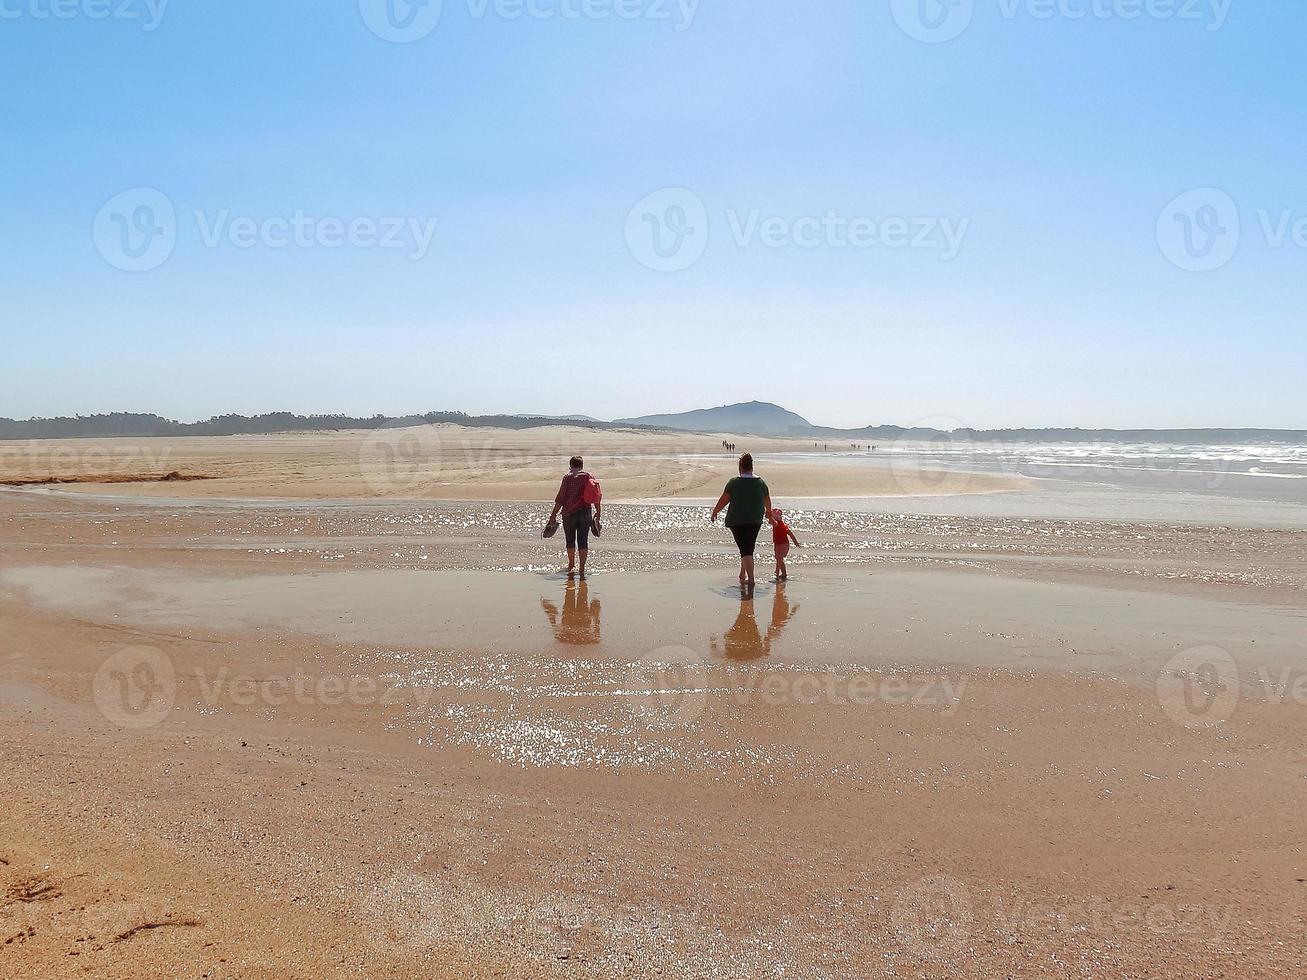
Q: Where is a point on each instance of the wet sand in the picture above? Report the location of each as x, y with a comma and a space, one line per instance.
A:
363, 739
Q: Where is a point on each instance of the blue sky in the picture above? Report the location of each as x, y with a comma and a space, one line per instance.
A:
1050, 146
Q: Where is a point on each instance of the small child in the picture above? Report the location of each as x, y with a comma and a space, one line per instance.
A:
781, 536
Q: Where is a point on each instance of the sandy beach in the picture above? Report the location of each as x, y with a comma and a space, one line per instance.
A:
445, 462
332, 711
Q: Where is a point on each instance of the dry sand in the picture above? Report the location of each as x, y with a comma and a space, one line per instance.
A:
303, 739
448, 462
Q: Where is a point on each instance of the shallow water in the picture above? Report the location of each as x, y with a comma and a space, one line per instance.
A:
1252, 486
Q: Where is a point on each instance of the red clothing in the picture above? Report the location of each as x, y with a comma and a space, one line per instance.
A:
571, 492
780, 533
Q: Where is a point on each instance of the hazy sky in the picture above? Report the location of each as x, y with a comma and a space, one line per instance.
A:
869, 219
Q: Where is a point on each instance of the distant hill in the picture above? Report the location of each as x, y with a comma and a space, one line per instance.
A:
584, 419
746, 418
128, 425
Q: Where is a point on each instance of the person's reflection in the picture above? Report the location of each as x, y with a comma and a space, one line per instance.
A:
744, 640
579, 622
781, 613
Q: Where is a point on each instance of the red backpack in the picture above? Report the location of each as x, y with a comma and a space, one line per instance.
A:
592, 493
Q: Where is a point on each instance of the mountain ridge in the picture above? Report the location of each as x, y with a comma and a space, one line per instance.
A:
741, 418
747, 418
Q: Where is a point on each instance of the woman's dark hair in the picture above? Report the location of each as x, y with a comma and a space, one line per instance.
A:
577, 462
746, 463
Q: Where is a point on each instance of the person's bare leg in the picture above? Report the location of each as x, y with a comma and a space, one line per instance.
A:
571, 560
584, 554
746, 568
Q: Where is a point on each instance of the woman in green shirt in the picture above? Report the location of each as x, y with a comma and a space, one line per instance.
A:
748, 503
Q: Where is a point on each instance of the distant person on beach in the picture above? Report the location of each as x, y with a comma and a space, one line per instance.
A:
748, 503
579, 500
781, 536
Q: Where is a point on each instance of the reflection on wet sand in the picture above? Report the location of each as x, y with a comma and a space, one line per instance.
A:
578, 623
744, 640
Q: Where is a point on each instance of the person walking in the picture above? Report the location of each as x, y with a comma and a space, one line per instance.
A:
748, 503
580, 501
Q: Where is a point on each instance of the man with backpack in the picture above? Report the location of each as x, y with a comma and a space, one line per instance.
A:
580, 500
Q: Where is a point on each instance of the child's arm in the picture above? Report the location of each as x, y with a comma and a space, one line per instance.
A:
794, 539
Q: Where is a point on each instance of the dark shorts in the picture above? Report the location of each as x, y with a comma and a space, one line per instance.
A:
576, 527
746, 538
